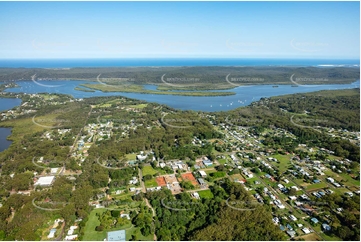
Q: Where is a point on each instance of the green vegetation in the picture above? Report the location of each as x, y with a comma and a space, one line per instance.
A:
139, 89
151, 183
207, 194
90, 234
148, 170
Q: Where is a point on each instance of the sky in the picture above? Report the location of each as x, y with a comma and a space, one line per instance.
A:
180, 29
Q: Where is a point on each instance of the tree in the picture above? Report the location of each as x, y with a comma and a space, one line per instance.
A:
292, 192
147, 177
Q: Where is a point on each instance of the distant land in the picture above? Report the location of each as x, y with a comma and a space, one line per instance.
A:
188, 78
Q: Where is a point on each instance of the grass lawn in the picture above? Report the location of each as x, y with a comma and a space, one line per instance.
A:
315, 186
151, 183
347, 179
222, 161
160, 171
310, 237
290, 184
325, 236
142, 105
205, 194
131, 156
89, 233
284, 162
251, 180
210, 170
104, 105
341, 190
237, 176
148, 170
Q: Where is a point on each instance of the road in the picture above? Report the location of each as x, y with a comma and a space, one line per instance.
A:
140, 176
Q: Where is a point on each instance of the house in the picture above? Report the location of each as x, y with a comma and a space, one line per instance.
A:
201, 182
207, 162
51, 233
289, 227
45, 181
195, 195
326, 227
350, 194
329, 179
292, 217
54, 170
71, 237
118, 235
141, 157
292, 197
275, 220
316, 181
280, 186
202, 173
71, 230
291, 233
125, 215
336, 184
286, 181
314, 220
306, 230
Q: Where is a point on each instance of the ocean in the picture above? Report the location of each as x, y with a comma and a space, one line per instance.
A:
158, 62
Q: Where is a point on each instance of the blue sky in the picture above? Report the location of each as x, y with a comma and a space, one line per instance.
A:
179, 29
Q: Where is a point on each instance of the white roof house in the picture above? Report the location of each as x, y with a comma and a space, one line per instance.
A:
51, 233
71, 237
306, 230
54, 170
45, 181
203, 173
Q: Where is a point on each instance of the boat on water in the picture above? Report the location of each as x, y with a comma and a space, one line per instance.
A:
274, 86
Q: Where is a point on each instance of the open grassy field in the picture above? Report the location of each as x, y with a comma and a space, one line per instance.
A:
284, 162
151, 183
222, 161
310, 237
140, 106
315, 186
205, 194
347, 179
148, 170
130, 156
237, 176
89, 233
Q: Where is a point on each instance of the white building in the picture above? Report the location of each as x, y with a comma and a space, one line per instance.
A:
45, 181
203, 173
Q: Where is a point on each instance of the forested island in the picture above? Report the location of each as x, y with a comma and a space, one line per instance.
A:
283, 167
